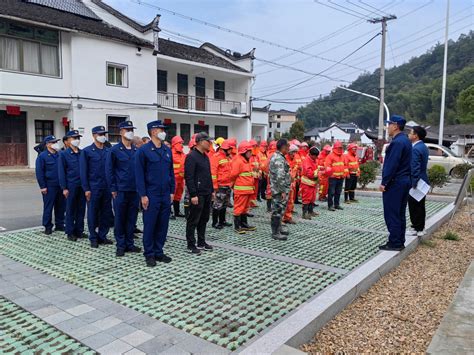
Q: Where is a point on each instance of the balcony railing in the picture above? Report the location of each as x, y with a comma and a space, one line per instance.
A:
195, 103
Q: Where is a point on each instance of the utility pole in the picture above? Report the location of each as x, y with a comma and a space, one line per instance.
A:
445, 68
382, 20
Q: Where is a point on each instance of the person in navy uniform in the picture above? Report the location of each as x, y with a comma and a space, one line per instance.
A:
120, 174
96, 191
419, 164
396, 183
70, 182
48, 181
155, 185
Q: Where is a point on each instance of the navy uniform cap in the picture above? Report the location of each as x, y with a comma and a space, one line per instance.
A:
73, 133
99, 130
399, 120
50, 139
155, 124
126, 124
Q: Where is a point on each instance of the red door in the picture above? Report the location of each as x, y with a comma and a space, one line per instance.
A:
13, 146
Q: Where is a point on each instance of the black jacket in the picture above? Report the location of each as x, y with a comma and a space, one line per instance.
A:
197, 173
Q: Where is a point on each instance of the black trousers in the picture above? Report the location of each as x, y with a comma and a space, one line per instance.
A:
334, 192
350, 187
197, 220
417, 213
262, 187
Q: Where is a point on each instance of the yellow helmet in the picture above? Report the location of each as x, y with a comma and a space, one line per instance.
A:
219, 141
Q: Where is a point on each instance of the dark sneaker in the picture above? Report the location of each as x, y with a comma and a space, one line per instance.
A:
331, 209
106, 241
205, 246
94, 244
48, 231
250, 215
338, 208
59, 229
194, 251
279, 237
137, 231
120, 252
150, 261
172, 217
71, 237
134, 249
163, 259
391, 248
284, 232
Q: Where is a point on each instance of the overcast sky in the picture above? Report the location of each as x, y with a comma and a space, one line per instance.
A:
299, 23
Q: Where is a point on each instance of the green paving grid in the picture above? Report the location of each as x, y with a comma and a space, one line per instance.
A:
222, 296
23, 333
331, 239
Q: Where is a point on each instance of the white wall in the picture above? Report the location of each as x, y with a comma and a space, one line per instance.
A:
259, 117
335, 133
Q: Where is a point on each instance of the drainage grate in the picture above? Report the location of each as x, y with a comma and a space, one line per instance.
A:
23, 333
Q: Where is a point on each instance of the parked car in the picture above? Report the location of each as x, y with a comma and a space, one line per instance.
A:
439, 155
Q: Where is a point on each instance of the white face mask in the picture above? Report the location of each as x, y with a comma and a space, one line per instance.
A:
55, 146
128, 135
161, 136
101, 139
76, 142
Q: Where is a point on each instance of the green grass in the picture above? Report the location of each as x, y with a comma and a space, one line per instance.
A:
451, 236
428, 243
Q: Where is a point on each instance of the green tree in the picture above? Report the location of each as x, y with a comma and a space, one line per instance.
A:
465, 105
297, 130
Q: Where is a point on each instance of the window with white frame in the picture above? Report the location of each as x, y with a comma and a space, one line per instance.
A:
29, 49
117, 74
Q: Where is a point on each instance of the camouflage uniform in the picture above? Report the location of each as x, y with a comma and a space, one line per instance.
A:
222, 199
280, 181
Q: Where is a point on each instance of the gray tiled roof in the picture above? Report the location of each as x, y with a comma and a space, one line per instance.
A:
132, 23
73, 6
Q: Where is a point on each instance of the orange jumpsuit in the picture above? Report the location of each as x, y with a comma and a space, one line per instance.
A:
299, 161
178, 167
291, 198
255, 161
221, 167
265, 167
309, 179
243, 178
323, 179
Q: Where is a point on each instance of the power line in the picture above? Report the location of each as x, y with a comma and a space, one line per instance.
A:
228, 30
323, 71
366, 4
306, 102
345, 12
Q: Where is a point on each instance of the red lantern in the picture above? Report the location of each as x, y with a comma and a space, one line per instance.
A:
168, 121
65, 121
13, 110
201, 123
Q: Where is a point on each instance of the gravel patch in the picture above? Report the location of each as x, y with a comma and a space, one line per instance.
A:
402, 311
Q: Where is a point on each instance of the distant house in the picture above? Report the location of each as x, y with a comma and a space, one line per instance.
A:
344, 132
259, 119
280, 122
461, 136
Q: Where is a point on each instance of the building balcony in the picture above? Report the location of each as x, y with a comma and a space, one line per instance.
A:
200, 104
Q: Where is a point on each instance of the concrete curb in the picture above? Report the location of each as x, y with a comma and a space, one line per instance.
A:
300, 326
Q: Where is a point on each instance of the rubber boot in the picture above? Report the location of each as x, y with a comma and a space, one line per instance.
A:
177, 212
276, 225
215, 219
269, 205
222, 221
306, 214
237, 226
245, 225
311, 210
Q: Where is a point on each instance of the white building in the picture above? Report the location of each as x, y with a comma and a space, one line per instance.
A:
280, 122
75, 65
259, 120
343, 132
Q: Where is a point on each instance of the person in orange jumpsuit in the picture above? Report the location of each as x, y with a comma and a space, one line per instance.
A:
221, 167
262, 182
299, 162
233, 152
290, 157
178, 167
336, 171
352, 163
187, 198
255, 161
272, 147
309, 180
304, 150
243, 179
323, 179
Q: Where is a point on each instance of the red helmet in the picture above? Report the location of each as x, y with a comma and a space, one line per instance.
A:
296, 142
304, 144
244, 147
192, 141
253, 142
225, 145
176, 140
273, 145
232, 142
352, 146
327, 148
337, 144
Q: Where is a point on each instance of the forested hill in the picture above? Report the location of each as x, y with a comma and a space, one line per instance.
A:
412, 90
